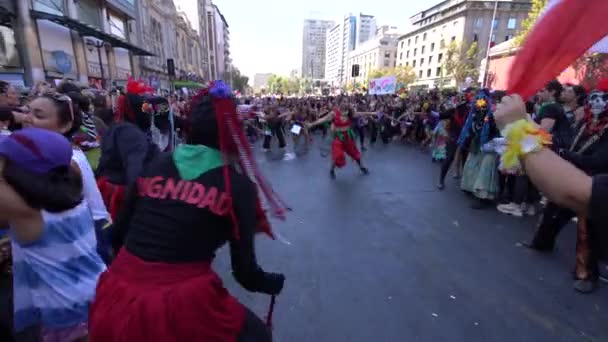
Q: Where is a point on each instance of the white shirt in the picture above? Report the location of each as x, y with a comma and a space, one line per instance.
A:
91, 193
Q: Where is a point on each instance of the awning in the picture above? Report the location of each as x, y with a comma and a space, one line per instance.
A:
90, 31
188, 84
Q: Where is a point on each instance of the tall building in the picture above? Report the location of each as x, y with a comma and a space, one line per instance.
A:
375, 54
341, 40
461, 21
198, 18
260, 81
156, 34
313, 48
88, 41
218, 42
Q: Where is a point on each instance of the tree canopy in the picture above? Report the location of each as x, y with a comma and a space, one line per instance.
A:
462, 61
528, 23
239, 82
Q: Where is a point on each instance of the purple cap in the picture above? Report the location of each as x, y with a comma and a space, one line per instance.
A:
36, 150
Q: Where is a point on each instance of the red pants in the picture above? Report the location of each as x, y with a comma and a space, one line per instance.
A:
340, 148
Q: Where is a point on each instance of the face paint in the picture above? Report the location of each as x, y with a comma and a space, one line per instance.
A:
598, 101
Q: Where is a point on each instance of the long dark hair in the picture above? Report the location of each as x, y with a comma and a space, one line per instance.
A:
56, 191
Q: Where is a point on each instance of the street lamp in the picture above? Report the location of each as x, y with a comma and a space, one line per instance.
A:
98, 44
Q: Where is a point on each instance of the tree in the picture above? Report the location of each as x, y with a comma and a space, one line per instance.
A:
528, 23
277, 84
462, 61
591, 67
239, 82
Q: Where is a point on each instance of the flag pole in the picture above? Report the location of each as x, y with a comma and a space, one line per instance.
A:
487, 66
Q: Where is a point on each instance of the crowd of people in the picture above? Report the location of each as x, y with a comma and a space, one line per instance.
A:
103, 196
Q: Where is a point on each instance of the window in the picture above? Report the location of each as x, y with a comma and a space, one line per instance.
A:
512, 24
424, 37
432, 47
408, 42
414, 63
495, 24
387, 54
453, 39
386, 63
421, 61
493, 38
455, 23
400, 55
478, 22
430, 59
407, 63
407, 54
508, 37
402, 45
420, 74
428, 73
415, 51
416, 40
438, 72
475, 37
439, 58
422, 51
442, 43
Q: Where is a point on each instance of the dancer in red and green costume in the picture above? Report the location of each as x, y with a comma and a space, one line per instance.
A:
344, 137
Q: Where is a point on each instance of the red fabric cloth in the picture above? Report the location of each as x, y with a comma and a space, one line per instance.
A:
113, 195
564, 33
139, 301
339, 150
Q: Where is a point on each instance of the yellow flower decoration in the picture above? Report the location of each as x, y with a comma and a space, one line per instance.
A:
481, 103
523, 137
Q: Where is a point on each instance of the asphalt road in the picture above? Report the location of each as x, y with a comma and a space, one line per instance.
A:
387, 257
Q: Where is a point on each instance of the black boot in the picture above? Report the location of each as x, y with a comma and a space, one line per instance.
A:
364, 170
332, 173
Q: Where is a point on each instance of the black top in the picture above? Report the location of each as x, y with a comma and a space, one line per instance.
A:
562, 128
124, 150
456, 115
593, 160
599, 197
172, 220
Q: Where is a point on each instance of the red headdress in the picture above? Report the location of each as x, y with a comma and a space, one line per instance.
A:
232, 141
126, 108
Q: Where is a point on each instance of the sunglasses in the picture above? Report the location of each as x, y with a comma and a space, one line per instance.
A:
63, 99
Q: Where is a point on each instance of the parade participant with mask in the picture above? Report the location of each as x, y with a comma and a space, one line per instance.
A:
480, 176
588, 152
183, 208
125, 147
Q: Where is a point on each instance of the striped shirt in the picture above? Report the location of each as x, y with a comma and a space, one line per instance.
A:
55, 277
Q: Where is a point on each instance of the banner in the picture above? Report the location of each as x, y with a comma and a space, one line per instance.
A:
383, 85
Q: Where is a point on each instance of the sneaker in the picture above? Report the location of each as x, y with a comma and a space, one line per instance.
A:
365, 171
510, 209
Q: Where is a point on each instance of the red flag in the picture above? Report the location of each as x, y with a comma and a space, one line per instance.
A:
565, 32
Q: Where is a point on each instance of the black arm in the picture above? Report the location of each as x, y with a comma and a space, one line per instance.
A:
242, 252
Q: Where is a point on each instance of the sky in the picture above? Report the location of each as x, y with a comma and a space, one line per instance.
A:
266, 35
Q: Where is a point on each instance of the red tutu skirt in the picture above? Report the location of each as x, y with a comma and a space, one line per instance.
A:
139, 301
113, 195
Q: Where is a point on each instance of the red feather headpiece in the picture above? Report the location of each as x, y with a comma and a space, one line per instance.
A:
124, 108
232, 141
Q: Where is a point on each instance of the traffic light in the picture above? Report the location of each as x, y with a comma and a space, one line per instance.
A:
355, 71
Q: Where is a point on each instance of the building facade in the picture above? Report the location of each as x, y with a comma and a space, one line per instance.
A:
314, 35
341, 40
260, 81
459, 21
375, 54
156, 35
87, 41
218, 42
